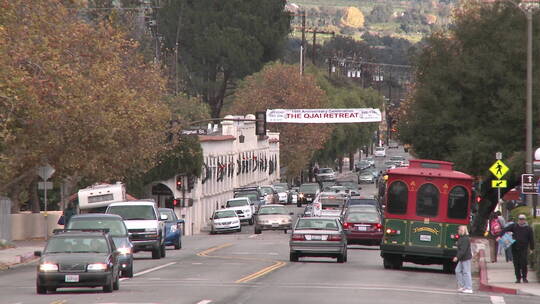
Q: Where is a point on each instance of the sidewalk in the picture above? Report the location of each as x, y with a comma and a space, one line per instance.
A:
23, 252
499, 276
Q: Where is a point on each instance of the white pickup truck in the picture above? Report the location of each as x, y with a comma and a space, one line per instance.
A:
243, 208
145, 225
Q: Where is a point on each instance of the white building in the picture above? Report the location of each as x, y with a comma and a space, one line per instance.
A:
233, 157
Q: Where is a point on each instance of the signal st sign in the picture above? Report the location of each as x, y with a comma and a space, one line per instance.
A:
529, 183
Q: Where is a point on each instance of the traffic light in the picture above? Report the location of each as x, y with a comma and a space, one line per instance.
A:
179, 184
260, 123
190, 182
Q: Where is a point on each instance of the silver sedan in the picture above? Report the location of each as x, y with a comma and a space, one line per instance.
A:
318, 237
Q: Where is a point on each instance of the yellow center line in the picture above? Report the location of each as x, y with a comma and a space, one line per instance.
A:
59, 302
250, 277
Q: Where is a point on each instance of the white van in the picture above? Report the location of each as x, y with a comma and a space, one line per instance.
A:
97, 197
380, 152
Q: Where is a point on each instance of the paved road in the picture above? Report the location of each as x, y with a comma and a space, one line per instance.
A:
249, 268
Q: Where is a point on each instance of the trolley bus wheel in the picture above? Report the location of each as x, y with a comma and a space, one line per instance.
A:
387, 263
448, 267
397, 263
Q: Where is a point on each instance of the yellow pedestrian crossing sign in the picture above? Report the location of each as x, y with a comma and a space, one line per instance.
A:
498, 169
499, 183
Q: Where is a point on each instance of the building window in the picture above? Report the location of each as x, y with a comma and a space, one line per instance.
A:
427, 200
458, 202
398, 197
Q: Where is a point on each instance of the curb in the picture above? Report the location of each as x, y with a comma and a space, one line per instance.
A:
19, 260
484, 285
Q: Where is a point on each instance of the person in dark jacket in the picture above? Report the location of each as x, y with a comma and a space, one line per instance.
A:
523, 234
463, 259
69, 212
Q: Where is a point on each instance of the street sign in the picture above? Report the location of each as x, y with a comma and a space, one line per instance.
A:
45, 185
498, 169
45, 172
499, 183
529, 183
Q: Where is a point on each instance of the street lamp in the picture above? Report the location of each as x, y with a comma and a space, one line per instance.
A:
528, 7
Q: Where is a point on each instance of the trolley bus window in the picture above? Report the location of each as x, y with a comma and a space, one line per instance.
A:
427, 200
458, 200
398, 195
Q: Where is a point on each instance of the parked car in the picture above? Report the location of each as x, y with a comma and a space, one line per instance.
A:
325, 174
225, 220
379, 152
307, 193
144, 223
318, 237
366, 177
273, 217
173, 228
242, 206
361, 227
117, 230
74, 258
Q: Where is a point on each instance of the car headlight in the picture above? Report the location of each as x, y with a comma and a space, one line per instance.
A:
301, 195
174, 228
124, 250
96, 267
48, 267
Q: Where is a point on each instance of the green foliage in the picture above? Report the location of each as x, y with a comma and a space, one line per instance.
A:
221, 42
380, 14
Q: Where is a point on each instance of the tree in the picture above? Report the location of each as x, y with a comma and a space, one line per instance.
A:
469, 98
353, 17
222, 42
281, 86
75, 95
380, 14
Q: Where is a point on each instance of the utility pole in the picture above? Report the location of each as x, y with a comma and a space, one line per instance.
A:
303, 45
315, 32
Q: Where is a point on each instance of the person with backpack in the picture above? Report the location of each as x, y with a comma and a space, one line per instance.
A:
523, 234
495, 231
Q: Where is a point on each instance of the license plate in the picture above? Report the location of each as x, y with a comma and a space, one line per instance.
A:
425, 238
308, 199
361, 228
72, 278
316, 237
275, 225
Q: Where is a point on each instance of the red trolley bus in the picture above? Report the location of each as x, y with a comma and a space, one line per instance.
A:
425, 203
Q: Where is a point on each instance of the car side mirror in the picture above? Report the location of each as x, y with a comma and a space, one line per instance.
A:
163, 217
180, 221
37, 253
210, 218
222, 207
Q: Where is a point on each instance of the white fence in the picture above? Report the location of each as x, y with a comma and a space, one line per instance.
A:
5, 218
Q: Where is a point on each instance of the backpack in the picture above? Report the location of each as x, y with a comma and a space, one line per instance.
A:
495, 227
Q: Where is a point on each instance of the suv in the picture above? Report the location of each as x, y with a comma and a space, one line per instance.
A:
379, 152
242, 206
253, 193
117, 230
145, 225
78, 258
307, 193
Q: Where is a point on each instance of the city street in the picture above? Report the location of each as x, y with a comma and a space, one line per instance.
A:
248, 268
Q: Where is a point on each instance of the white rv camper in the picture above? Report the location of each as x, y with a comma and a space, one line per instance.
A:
97, 197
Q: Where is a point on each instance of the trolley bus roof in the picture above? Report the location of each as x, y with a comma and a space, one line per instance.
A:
426, 167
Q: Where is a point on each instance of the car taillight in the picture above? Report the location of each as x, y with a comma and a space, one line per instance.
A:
454, 236
347, 225
298, 237
377, 226
334, 237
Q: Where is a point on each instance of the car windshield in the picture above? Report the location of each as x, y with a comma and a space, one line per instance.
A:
367, 174
310, 188
253, 196
81, 244
283, 185
168, 213
397, 158
362, 217
224, 214
237, 203
116, 227
316, 224
133, 212
272, 210
266, 190
363, 202
332, 203
325, 170
363, 208
279, 189
379, 149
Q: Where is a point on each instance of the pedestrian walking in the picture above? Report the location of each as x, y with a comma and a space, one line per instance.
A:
495, 230
523, 234
508, 250
463, 259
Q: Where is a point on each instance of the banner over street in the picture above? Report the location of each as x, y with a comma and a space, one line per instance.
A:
323, 115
